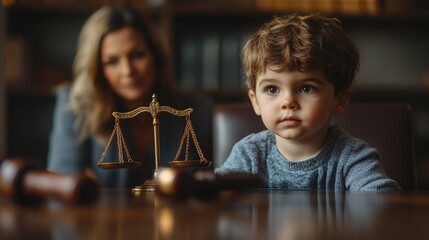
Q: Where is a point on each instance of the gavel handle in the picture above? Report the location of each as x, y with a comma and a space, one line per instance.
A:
70, 188
238, 181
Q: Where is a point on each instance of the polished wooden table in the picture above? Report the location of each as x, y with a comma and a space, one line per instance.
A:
255, 214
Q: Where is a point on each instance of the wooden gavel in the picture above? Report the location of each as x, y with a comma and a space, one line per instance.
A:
180, 183
23, 183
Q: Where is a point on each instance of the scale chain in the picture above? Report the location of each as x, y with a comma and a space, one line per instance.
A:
197, 145
120, 143
179, 150
189, 130
187, 146
107, 146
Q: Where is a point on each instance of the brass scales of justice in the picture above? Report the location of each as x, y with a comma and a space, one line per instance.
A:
154, 109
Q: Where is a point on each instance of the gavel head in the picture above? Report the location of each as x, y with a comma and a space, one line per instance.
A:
180, 183
23, 183
12, 172
174, 183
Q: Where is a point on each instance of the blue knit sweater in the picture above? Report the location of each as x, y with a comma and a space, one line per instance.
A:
344, 163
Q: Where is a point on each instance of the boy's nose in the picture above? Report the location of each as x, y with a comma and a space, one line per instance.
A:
289, 103
292, 106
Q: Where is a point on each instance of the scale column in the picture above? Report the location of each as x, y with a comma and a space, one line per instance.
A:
156, 145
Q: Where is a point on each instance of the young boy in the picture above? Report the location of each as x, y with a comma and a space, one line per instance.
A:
299, 72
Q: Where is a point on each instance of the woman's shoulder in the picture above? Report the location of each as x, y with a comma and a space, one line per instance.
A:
62, 110
63, 92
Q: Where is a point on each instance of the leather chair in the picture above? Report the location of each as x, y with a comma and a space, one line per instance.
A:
386, 126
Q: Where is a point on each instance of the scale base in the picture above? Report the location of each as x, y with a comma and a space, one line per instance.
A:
148, 186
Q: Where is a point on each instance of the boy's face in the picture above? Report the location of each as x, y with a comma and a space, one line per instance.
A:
296, 105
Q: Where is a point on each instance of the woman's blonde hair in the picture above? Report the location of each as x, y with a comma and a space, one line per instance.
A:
302, 43
91, 98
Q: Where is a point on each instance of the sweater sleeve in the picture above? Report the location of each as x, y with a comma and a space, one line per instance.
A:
363, 171
66, 153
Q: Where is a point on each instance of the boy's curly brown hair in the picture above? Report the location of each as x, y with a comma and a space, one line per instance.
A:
302, 43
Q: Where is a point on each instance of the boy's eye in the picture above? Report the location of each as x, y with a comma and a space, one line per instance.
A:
271, 90
307, 89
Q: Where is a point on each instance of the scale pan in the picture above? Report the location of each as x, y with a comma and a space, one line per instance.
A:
189, 163
116, 165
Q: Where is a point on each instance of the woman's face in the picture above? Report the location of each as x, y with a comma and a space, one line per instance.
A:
128, 64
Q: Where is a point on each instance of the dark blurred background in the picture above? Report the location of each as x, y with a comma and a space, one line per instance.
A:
204, 39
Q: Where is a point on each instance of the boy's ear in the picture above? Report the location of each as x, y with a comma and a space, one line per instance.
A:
342, 102
254, 101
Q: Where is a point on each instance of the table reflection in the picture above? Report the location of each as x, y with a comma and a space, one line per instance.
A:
260, 214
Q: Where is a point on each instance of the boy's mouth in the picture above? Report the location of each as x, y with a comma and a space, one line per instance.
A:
290, 121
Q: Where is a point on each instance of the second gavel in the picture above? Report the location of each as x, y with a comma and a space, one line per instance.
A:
24, 183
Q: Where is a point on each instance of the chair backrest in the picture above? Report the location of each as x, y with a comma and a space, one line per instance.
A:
386, 126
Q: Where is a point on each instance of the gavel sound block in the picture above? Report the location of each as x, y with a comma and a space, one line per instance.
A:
25, 184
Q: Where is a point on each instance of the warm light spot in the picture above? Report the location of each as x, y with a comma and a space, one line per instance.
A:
165, 222
166, 179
